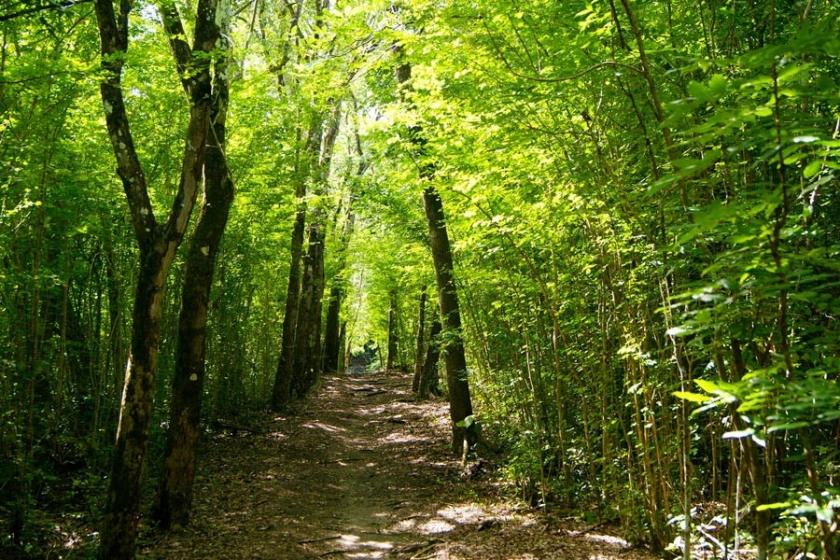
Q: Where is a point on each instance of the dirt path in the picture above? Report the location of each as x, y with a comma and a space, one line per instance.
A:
360, 471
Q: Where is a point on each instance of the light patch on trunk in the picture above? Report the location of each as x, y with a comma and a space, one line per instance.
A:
194, 377
205, 250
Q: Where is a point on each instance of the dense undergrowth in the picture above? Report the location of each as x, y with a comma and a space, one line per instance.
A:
643, 203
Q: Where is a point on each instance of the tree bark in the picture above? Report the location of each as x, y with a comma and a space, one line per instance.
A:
174, 499
158, 244
419, 347
285, 366
460, 404
429, 378
332, 335
309, 316
281, 393
393, 334
342, 348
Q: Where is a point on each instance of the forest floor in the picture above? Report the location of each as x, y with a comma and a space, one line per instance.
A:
362, 470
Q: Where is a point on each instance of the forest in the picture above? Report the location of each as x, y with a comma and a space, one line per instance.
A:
468, 279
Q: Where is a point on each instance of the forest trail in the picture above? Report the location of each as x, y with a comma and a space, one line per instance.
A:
360, 471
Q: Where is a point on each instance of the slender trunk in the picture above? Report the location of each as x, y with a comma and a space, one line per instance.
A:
342, 345
393, 335
174, 497
460, 404
332, 334
418, 354
307, 344
314, 351
285, 366
429, 377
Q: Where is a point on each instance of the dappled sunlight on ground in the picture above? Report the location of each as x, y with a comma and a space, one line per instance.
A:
360, 472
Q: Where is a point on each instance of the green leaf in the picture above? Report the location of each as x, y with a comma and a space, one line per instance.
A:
812, 168
692, 397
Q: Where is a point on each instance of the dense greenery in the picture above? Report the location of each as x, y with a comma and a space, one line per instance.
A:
642, 199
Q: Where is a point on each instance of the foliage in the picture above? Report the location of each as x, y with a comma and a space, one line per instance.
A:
642, 199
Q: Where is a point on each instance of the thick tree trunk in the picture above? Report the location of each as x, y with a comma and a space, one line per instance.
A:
158, 244
393, 334
285, 366
332, 334
309, 315
174, 497
428, 377
460, 405
419, 347
122, 510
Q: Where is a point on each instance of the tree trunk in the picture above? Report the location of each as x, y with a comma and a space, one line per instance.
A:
285, 366
393, 334
332, 335
460, 405
123, 501
307, 345
428, 377
418, 354
174, 497
314, 352
342, 346
158, 244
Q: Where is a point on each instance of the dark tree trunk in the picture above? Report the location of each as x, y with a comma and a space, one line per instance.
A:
460, 405
307, 345
342, 348
332, 334
158, 244
315, 355
429, 383
393, 334
122, 510
174, 497
285, 366
287, 378
419, 347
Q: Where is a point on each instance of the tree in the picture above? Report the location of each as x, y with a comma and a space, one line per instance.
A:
419, 342
157, 242
174, 498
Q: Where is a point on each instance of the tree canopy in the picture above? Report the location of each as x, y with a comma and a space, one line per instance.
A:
638, 200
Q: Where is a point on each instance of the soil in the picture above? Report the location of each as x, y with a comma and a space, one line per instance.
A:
361, 471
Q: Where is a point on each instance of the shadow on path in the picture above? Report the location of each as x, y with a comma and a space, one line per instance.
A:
361, 471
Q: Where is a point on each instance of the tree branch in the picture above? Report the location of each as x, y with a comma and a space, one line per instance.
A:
62, 5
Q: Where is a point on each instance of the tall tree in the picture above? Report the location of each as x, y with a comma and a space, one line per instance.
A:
175, 490
393, 332
157, 242
460, 403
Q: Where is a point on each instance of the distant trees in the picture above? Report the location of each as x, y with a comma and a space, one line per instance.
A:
629, 212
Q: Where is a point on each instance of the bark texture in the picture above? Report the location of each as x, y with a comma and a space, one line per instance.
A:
332, 334
157, 242
175, 491
393, 333
282, 390
308, 343
285, 367
460, 404
419, 342
429, 383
